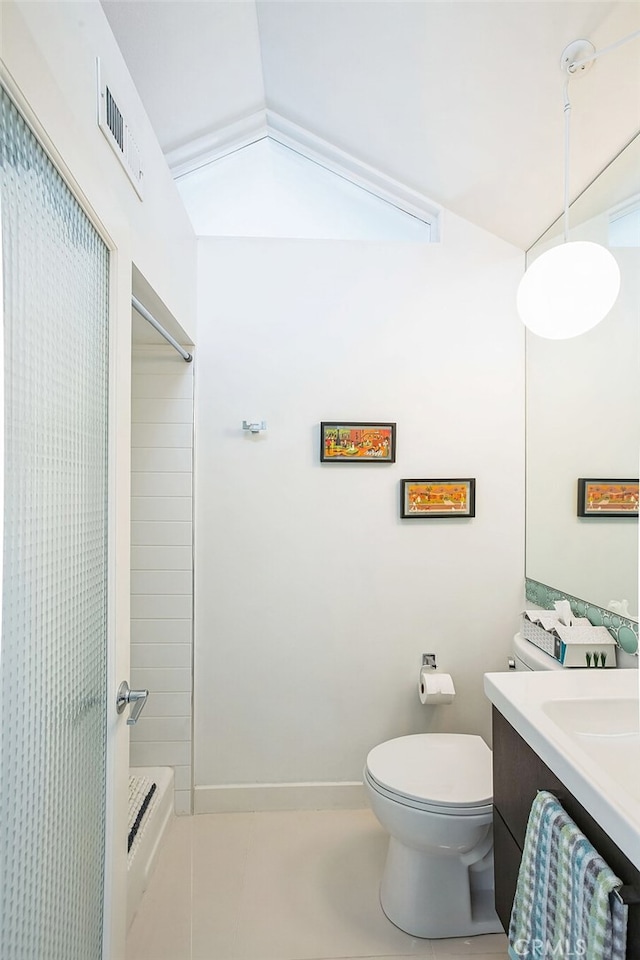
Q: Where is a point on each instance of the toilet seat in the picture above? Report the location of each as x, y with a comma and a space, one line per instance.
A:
446, 773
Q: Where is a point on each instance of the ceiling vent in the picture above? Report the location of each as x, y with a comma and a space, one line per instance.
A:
115, 128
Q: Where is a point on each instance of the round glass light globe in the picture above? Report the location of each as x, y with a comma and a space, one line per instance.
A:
568, 289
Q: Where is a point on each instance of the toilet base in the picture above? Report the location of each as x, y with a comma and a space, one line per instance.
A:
435, 896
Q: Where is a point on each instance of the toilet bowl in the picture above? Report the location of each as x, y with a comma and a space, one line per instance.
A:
433, 794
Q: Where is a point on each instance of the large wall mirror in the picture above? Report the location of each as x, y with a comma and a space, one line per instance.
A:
583, 411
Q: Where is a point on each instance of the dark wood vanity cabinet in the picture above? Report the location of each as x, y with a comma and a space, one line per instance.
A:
518, 772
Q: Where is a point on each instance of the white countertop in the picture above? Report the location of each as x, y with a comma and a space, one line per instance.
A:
585, 725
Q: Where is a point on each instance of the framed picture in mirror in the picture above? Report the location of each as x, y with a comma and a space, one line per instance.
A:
607, 498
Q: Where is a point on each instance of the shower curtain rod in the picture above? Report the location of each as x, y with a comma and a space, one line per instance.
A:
144, 313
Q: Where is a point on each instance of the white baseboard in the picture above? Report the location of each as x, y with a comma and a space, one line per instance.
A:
245, 798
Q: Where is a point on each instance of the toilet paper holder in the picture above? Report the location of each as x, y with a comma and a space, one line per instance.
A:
429, 660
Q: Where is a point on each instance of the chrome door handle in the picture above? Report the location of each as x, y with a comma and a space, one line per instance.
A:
137, 699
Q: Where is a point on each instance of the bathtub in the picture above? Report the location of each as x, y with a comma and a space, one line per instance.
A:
149, 822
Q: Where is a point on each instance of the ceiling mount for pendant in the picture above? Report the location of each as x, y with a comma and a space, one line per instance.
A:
573, 53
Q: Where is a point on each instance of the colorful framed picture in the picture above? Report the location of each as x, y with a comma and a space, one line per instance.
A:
607, 498
443, 499
345, 442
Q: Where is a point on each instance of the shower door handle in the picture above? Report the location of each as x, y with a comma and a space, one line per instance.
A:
137, 699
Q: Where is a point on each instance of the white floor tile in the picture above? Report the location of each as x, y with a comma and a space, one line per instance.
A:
312, 889
161, 929
221, 843
279, 886
487, 947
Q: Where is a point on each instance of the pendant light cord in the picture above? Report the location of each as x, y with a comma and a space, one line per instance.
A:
567, 124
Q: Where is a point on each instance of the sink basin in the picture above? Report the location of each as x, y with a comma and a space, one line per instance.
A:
607, 730
596, 717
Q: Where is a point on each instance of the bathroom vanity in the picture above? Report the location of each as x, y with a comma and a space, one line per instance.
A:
576, 734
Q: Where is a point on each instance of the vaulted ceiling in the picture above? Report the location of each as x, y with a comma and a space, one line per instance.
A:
459, 101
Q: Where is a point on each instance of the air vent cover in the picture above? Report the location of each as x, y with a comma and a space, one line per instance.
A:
115, 128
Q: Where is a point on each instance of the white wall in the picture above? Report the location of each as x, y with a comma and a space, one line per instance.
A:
162, 561
314, 601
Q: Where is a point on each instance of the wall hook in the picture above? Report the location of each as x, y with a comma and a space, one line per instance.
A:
253, 426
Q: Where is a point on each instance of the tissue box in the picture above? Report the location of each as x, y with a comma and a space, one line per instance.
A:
569, 645
537, 635
584, 647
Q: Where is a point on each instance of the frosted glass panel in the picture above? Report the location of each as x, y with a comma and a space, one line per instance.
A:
54, 617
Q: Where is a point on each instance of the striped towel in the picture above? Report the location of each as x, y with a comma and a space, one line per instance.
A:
564, 904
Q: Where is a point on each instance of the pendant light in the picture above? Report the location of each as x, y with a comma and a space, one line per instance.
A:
573, 286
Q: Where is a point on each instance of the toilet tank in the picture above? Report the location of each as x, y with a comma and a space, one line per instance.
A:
529, 657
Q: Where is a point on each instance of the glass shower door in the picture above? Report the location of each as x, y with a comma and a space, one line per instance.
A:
53, 652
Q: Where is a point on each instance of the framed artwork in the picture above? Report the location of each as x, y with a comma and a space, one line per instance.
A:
345, 442
444, 499
607, 498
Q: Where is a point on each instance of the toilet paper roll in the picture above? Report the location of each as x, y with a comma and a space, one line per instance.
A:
434, 687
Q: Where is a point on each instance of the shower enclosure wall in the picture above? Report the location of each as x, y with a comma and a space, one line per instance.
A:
162, 561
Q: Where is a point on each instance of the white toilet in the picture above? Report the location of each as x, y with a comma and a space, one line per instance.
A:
432, 792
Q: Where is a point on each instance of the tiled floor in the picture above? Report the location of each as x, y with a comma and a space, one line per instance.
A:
278, 886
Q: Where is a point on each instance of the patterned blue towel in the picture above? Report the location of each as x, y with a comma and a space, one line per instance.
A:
564, 904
